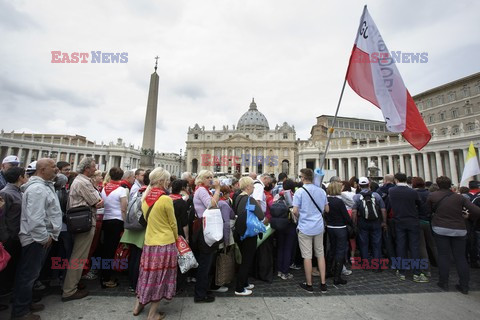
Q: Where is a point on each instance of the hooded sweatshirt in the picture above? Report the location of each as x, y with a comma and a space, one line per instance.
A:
41, 213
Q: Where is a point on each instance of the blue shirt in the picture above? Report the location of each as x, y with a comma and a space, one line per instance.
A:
310, 220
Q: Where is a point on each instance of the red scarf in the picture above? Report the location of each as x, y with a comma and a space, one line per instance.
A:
111, 186
153, 196
202, 186
126, 184
175, 196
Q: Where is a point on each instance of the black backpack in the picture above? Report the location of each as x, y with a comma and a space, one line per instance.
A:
370, 209
279, 211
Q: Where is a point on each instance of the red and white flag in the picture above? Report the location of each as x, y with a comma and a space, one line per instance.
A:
372, 74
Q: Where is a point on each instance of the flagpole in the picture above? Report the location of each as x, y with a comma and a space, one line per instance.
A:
330, 130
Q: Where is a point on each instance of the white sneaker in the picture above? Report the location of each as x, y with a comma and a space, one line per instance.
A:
38, 286
221, 289
90, 276
245, 292
346, 272
250, 286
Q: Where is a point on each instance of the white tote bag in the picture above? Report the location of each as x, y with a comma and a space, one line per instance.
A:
212, 226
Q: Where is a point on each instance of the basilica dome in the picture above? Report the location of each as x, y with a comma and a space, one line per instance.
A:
252, 119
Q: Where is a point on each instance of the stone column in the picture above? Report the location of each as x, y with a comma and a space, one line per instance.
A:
413, 159
402, 163
453, 167
253, 160
340, 168
9, 151
110, 163
438, 162
359, 167
426, 167
350, 167
29, 157
391, 170
75, 162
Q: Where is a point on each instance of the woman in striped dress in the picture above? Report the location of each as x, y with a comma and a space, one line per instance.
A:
158, 264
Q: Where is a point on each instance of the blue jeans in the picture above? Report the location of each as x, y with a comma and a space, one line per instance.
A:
285, 242
29, 267
204, 264
408, 237
338, 238
370, 234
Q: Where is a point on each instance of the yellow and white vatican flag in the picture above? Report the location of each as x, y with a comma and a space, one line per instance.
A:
471, 166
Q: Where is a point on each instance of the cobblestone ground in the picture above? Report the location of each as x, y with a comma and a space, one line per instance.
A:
360, 282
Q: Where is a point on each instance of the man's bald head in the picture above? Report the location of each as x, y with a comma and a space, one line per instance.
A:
46, 168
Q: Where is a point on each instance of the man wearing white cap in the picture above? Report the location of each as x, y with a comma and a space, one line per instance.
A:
369, 210
7, 163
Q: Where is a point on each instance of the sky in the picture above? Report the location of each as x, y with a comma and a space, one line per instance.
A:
214, 56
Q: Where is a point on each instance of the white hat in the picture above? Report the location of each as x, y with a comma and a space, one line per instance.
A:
32, 167
363, 181
11, 159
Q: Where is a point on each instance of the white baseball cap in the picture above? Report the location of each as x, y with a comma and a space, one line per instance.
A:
363, 181
11, 159
31, 168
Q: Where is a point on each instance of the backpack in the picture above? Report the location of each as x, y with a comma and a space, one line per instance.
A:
279, 212
134, 212
370, 209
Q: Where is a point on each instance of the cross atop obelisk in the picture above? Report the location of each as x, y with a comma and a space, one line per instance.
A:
148, 145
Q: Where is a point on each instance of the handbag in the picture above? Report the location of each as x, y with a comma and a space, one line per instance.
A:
225, 266
143, 220
122, 254
186, 259
212, 226
254, 225
79, 219
4, 257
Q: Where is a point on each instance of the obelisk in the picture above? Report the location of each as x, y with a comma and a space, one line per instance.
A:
148, 145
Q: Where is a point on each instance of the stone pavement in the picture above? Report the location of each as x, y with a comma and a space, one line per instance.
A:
370, 296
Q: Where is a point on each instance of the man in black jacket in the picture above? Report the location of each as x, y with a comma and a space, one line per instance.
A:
10, 224
406, 204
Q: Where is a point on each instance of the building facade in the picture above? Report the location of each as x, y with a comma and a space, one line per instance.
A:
451, 113
251, 146
30, 147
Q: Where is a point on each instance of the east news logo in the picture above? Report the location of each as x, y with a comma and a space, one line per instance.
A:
96, 57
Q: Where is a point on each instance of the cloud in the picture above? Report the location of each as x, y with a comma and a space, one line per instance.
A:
12, 19
214, 57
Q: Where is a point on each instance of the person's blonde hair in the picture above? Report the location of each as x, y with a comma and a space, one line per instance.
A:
202, 175
158, 177
334, 188
245, 182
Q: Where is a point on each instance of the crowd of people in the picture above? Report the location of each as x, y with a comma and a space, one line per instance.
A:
329, 229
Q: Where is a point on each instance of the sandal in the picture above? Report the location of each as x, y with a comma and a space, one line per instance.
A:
109, 284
